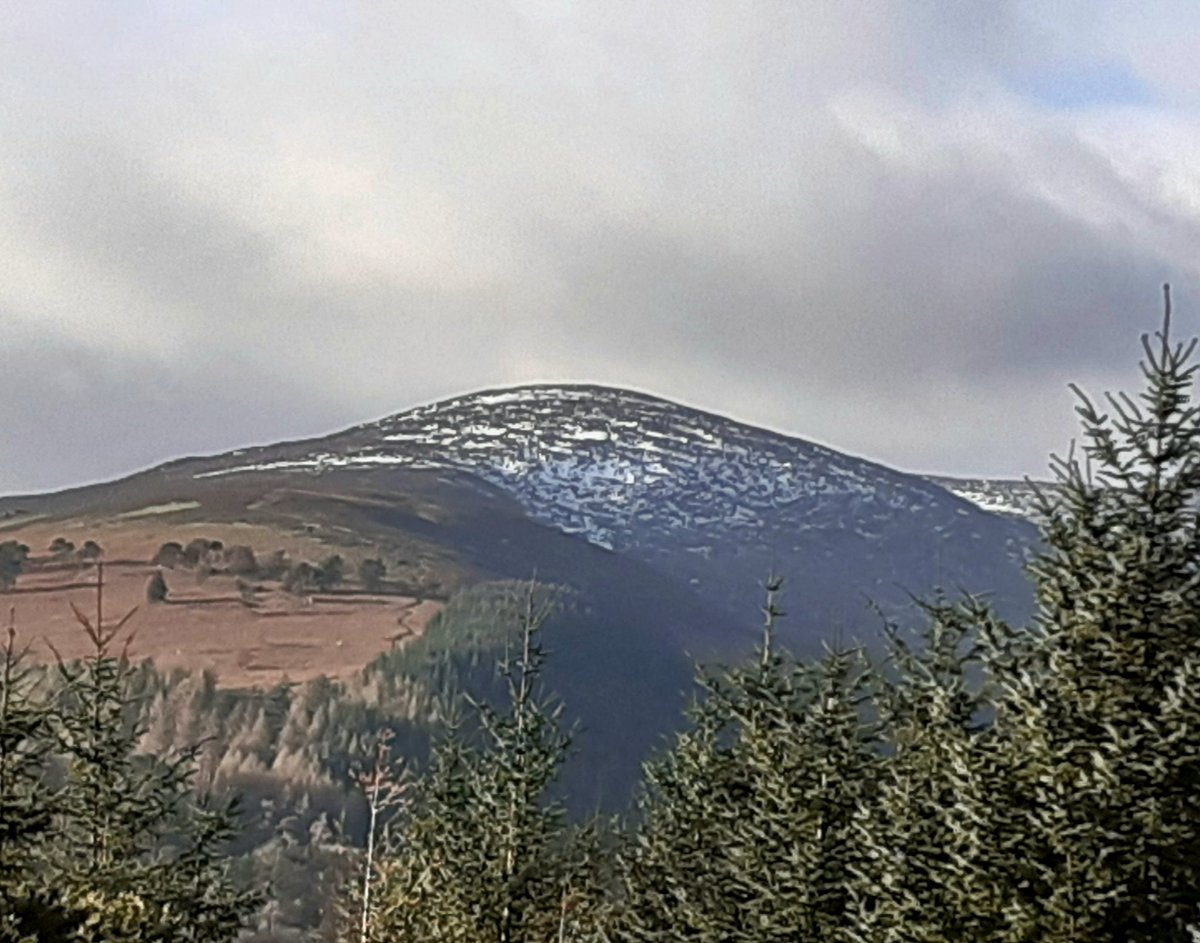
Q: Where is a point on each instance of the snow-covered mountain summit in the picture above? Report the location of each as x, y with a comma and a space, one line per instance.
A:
709, 499
614, 465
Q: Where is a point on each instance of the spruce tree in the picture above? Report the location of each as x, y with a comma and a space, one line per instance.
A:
746, 824
924, 873
28, 906
483, 851
130, 851
1098, 715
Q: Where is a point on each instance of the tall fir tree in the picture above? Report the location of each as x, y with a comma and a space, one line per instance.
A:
1098, 716
29, 907
746, 824
130, 851
924, 873
483, 850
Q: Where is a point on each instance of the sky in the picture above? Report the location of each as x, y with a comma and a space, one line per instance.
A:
895, 227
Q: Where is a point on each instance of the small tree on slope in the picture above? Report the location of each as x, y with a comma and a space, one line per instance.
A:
483, 852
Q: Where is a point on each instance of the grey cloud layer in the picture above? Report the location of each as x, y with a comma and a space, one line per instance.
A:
829, 218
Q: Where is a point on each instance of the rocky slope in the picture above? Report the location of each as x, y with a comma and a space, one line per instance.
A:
708, 500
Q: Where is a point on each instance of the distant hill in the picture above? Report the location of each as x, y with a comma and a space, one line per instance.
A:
556, 478
713, 503
1009, 497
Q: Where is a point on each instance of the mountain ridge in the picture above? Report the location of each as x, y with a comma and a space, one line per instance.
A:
712, 503
702, 496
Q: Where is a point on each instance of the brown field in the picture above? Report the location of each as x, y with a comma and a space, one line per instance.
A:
205, 624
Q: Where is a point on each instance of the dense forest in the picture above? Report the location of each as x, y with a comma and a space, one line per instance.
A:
983, 781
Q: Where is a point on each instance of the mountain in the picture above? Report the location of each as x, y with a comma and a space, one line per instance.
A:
661, 520
556, 478
1009, 497
713, 503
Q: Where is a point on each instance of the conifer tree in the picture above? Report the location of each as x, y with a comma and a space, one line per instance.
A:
745, 830
924, 874
28, 908
129, 851
1098, 716
483, 851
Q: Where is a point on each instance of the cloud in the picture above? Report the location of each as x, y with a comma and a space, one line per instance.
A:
898, 228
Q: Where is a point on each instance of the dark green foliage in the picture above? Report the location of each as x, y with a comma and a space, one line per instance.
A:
275, 566
746, 824
240, 561
197, 551
483, 850
156, 588
61, 548
301, 578
371, 572
926, 872
170, 554
90, 552
330, 572
25, 807
305, 577
13, 557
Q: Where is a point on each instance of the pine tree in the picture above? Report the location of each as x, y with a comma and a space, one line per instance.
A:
1098, 715
28, 908
129, 850
924, 874
746, 824
483, 851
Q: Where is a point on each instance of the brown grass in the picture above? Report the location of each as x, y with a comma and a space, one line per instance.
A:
207, 624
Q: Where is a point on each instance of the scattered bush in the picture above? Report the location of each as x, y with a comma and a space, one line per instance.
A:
301, 578
275, 566
13, 557
196, 551
330, 572
240, 561
169, 555
372, 571
61, 548
156, 589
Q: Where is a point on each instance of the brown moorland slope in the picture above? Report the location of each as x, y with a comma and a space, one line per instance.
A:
248, 628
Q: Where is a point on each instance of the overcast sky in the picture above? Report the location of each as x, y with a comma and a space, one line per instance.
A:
897, 227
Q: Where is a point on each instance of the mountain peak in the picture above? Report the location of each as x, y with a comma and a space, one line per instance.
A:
618, 467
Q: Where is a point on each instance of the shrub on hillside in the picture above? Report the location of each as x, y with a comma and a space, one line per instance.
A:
169, 555
13, 558
371, 572
301, 578
61, 548
275, 566
156, 588
330, 572
196, 551
240, 561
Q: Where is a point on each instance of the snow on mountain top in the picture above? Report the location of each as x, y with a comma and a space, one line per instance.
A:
618, 466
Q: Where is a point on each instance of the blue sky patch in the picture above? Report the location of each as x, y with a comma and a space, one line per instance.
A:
1074, 88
